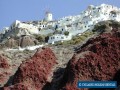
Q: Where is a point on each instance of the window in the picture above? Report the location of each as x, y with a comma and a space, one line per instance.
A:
99, 8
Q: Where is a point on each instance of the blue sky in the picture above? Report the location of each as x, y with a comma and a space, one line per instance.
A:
26, 10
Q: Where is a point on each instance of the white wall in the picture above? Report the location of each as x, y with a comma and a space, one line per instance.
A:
49, 17
59, 37
32, 29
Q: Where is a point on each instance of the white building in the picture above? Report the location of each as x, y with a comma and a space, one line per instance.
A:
48, 16
59, 37
73, 24
24, 26
4, 30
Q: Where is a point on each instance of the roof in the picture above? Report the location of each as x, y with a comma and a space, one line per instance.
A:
48, 12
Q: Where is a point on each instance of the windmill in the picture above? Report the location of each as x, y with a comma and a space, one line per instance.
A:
48, 14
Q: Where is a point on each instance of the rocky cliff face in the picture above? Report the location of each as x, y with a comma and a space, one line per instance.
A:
35, 73
97, 59
15, 42
5, 70
11, 43
26, 41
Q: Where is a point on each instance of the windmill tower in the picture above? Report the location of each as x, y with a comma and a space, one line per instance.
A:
48, 15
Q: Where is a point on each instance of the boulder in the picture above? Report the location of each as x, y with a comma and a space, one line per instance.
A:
11, 43
97, 60
26, 41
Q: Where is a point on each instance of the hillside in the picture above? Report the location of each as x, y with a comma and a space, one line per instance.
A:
55, 54
98, 59
95, 59
52, 31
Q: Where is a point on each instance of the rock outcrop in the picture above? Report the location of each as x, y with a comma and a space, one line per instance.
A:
26, 41
5, 70
35, 73
98, 59
11, 43
15, 42
18, 86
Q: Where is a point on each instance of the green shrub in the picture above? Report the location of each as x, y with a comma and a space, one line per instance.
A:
66, 33
57, 32
40, 38
58, 43
50, 34
99, 27
26, 51
78, 39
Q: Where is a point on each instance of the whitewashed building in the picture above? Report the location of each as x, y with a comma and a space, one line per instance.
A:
73, 24
48, 16
20, 25
59, 37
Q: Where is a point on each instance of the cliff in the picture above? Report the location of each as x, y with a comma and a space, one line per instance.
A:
98, 59
35, 73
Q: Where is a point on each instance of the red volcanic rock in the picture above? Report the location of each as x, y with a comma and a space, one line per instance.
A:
33, 74
16, 87
5, 70
4, 63
98, 59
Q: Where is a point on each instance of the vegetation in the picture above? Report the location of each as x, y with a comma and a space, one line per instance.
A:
26, 51
114, 24
99, 28
66, 33
105, 26
57, 31
50, 34
58, 43
41, 38
76, 39
113, 12
80, 38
